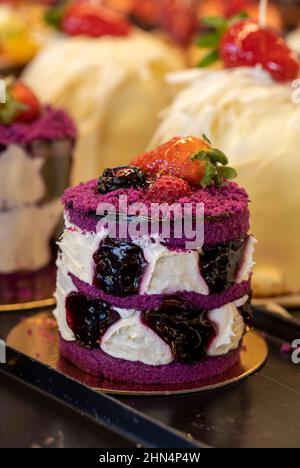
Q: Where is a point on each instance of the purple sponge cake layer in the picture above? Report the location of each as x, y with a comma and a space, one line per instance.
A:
226, 209
53, 124
148, 302
100, 364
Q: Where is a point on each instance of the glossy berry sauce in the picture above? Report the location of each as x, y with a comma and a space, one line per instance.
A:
89, 319
219, 265
119, 267
188, 332
121, 177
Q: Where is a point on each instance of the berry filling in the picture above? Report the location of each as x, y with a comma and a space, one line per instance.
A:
219, 265
89, 319
119, 267
188, 332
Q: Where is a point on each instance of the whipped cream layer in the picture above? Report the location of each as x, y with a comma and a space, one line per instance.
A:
255, 121
20, 178
166, 271
130, 339
124, 76
26, 224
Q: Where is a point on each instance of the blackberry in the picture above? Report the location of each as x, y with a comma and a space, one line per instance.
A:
119, 178
219, 264
89, 319
188, 332
119, 267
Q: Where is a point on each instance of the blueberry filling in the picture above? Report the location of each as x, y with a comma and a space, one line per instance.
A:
119, 267
219, 265
89, 319
121, 178
187, 332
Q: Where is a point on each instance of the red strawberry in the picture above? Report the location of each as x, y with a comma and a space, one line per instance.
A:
179, 19
248, 44
91, 19
23, 95
174, 159
169, 189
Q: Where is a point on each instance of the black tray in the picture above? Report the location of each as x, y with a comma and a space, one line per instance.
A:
262, 411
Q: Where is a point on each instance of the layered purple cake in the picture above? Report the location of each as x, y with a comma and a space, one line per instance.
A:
36, 146
143, 304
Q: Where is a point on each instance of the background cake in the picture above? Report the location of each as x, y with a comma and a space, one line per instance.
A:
23, 32
36, 145
148, 308
251, 111
111, 80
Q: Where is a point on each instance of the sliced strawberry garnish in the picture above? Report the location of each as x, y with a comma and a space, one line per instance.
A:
91, 19
174, 159
179, 19
246, 43
21, 104
191, 159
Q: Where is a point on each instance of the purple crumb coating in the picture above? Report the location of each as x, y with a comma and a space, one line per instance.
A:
100, 364
226, 208
53, 124
145, 302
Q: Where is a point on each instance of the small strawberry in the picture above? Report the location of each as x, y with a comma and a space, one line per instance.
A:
93, 20
179, 19
168, 189
21, 105
248, 44
244, 43
191, 159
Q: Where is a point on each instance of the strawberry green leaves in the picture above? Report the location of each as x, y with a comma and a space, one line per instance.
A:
216, 169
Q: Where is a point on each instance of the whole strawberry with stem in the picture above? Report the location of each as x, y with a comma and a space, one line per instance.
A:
191, 158
244, 43
21, 105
